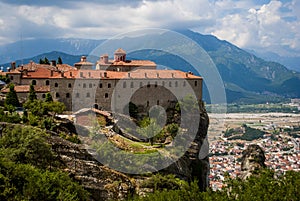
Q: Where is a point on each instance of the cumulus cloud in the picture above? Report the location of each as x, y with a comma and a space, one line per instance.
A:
252, 24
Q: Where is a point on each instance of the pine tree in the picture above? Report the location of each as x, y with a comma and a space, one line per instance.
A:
42, 61
48, 97
46, 61
11, 97
32, 95
59, 60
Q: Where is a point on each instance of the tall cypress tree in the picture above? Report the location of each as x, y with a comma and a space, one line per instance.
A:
32, 95
11, 97
59, 60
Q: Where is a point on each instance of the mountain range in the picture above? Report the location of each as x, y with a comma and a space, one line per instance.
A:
246, 77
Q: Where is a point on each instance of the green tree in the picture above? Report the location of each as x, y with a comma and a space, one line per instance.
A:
11, 97
59, 60
46, 61
149, 128
48, 97
42, 61
32, 95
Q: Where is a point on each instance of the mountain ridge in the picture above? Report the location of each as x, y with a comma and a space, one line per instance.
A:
247, 78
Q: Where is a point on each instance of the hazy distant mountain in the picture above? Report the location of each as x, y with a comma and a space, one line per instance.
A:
30, 48
292, 63
246, 77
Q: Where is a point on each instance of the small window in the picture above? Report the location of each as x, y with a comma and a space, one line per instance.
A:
43, 96
100, 85
163, 83
176, 84
124, 84
33, 82
47, 82
67, 95
141, 84
148, 85
77, 95
170, 84
196, 83
70, 85
106, 95
84, 85
57, 95
96, 106
11, 77
184, 83
88, 94
90, 85
108, 85
147, 103
131, 85
157, 102
155, 85
56, 84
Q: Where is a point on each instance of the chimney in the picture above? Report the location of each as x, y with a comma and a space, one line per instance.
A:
51, 73
62, 74
172, 75
71, 74
128, 74
53, 63
186, 74
83, 59
13, 65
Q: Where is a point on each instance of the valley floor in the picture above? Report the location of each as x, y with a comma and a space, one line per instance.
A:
280, 142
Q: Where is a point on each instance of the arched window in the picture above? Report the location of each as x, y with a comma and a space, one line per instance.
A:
148, 85
176, 84
131, 85
108, 85
67, 95
88, 94
96, 106
90, 85
57, 95
170, 84
196, 83
100, 85
147, 103
84, 85
106, 95
77, 95
56, 84
43, 96
157, 102
155, 85
70, 85
124, 84
33, 82
47, 82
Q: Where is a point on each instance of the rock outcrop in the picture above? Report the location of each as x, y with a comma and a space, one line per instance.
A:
253, 159
105, 183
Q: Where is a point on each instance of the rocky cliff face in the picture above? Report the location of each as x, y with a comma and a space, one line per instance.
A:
105, 183
253, 159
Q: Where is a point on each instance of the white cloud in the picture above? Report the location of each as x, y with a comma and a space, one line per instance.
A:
244, 23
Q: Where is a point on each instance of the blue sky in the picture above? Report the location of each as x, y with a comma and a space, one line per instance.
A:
261, 25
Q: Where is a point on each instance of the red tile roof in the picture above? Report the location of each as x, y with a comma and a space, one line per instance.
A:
25, 89
134, 63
